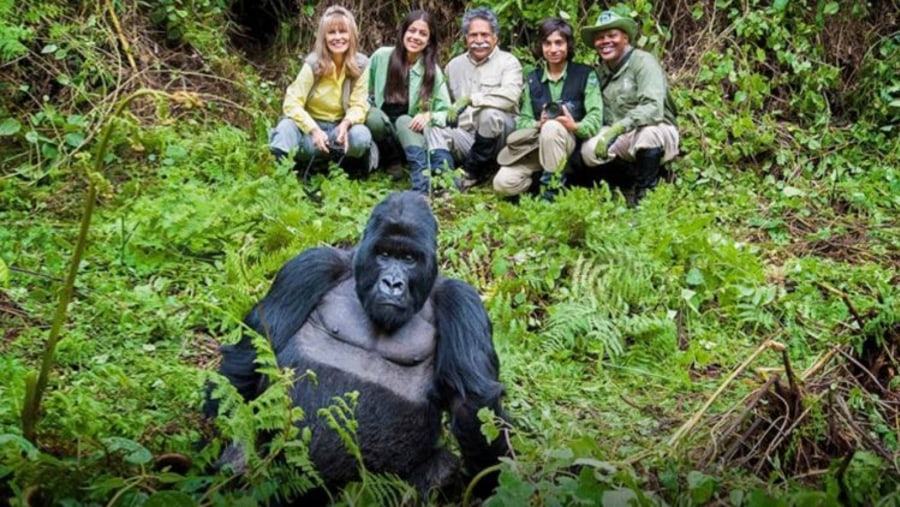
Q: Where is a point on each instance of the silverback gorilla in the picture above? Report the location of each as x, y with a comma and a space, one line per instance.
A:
379, 320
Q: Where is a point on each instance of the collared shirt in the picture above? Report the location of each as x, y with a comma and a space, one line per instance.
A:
637, 93
440, 97
593, 104
324, 103
494, 82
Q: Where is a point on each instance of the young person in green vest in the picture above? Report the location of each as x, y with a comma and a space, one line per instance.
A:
560, 108
409, 94
639, 133
325, 107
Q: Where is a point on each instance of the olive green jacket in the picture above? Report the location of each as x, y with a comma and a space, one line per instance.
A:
440, 97
637, 93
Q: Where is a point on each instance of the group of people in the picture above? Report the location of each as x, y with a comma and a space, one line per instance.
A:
563, 123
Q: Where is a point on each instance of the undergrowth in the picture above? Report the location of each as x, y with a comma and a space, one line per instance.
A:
614, 326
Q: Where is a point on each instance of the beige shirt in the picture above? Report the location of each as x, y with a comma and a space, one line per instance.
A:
495, 82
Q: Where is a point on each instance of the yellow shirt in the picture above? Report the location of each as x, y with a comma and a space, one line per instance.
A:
324, 103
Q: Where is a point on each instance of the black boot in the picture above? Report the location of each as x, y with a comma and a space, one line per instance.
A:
278, 154
391, 157
417, 160
481, 162
646, 173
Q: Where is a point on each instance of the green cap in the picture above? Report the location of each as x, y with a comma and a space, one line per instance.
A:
607, 20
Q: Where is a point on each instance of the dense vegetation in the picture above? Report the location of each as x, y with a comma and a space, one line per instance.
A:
732, 341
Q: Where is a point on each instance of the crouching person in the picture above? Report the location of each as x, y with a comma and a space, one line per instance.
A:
640, 132
486, 83
325, 107
560, 108
409, 93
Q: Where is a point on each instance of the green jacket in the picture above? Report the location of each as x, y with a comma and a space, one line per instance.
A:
440, 97
637, 93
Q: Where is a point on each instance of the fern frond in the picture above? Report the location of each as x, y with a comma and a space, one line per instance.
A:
386, 490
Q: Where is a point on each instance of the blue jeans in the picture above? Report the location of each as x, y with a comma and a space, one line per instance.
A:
286, 136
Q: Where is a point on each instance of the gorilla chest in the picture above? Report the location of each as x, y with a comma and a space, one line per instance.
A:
340, 337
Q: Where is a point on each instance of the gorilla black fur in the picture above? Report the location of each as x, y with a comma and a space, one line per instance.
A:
378, 319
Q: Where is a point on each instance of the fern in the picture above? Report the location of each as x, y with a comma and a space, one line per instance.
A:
371, 489
584, 325
386, 490
608, 303
12, 36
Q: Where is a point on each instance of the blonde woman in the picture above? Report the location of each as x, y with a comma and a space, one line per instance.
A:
325, 107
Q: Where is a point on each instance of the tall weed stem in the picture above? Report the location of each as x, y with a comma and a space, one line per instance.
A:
35, 387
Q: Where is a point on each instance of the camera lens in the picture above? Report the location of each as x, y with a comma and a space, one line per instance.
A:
552, 110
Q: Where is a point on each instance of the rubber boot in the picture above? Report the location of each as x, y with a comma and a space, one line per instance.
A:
441, 161
480, 163
278, 154
646, 172
417, 160
551, 183
391, 154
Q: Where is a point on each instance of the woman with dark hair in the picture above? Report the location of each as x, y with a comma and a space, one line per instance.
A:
561, 107
408, 92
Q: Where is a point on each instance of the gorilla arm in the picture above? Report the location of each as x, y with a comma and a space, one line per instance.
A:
467, 372
297, 289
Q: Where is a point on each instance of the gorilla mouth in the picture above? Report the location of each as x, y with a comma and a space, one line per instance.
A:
392, 304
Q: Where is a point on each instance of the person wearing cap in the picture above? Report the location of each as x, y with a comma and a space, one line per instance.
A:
640, 133
561, 106
486, 83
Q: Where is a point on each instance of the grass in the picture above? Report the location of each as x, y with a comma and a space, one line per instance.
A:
614, 326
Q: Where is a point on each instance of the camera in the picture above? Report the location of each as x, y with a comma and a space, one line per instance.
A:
335, 147
553, 110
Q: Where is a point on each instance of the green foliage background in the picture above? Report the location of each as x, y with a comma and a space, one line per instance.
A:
613, 325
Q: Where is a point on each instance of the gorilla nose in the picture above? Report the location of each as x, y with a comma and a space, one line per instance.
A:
392, 285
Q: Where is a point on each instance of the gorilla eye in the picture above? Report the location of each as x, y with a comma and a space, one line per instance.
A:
409, 258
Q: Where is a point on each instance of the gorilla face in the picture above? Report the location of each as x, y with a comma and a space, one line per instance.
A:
395, 266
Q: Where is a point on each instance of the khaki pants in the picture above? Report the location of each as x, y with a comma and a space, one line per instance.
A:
488, 122
625, 146
555, 145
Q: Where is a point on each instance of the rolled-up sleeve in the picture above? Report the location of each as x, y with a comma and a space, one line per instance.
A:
295, 100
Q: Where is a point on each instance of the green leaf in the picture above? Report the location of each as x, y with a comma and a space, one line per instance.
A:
4, 274
49, 48
789, 191
832, 8
135, 453
694, 277
701, 486
74, 139
9, 126
779, 5
24, 446
620, 496
170, 499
